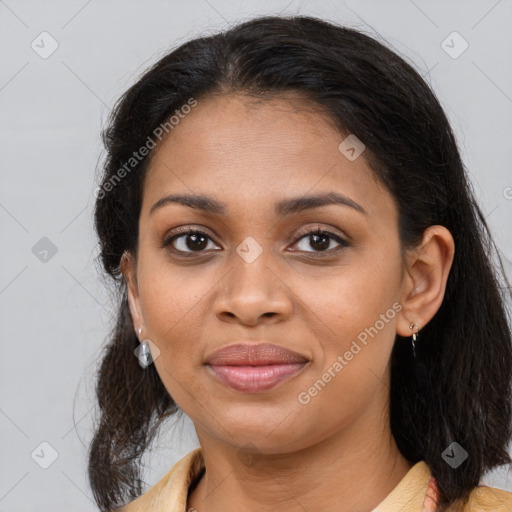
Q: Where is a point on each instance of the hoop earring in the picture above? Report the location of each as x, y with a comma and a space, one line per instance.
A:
414, 338
143, 352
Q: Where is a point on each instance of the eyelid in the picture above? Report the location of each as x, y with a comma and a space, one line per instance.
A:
318, 228
187, 229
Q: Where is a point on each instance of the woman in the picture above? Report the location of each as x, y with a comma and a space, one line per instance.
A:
303, 270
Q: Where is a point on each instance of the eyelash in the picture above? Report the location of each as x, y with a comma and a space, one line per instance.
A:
318, 231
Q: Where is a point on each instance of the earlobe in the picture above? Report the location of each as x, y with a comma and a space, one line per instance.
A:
427, 273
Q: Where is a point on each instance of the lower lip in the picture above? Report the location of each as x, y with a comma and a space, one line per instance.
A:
255, 379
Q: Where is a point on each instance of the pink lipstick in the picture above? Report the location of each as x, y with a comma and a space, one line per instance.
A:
255, 368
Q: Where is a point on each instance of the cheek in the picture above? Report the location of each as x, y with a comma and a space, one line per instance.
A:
171, 297
350, 298
352, 315
174, 309
355, 336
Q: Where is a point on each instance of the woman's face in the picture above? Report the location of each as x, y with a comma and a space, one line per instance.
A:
254, 275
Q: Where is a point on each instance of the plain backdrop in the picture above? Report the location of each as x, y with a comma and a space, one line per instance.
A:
63, 65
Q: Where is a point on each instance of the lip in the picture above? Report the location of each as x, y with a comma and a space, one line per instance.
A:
247, 354
255, 368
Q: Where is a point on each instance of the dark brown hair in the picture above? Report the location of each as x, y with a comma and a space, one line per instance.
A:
458, 388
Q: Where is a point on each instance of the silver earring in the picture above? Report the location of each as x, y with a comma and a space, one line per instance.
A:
414, 337
143, 352
145, 358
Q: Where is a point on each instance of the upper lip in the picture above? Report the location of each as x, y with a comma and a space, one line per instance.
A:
245, 354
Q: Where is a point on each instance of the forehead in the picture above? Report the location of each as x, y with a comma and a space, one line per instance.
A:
239, 148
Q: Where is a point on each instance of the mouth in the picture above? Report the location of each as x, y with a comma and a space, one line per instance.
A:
255, 379
255, 368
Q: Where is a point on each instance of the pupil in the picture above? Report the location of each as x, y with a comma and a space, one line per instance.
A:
322, 245
198, 241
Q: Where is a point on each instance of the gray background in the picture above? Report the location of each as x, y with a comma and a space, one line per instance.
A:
54, 311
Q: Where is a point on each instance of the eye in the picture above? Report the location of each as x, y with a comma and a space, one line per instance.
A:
188, 241
320, 240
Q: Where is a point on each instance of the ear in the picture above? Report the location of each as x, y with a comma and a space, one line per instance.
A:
128, 268
426, 274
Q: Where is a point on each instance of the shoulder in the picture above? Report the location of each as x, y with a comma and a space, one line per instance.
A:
171, 491
485, 499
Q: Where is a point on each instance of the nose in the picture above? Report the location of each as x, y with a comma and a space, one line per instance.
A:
251, 293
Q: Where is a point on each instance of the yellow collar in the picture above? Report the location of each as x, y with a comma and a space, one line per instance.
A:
171, 492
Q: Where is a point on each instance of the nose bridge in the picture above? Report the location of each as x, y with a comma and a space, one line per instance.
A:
252, 289
251, 273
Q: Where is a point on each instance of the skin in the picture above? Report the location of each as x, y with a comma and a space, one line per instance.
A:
268, 451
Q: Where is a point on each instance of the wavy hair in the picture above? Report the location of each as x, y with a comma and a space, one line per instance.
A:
458, 388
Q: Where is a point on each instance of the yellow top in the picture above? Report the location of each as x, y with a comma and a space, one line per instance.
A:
416, 492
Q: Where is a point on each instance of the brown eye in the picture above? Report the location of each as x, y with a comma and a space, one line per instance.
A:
320, 241
189, 241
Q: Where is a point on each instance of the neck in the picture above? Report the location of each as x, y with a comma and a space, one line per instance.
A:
352, 470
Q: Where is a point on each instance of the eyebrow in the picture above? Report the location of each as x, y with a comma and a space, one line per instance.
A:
282, 208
